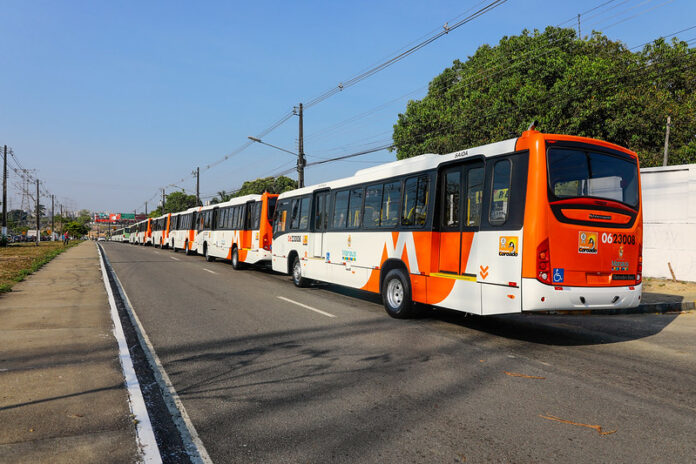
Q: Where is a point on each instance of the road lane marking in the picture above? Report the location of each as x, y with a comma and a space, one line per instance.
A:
192, 442
305, 306
145, 436
208, 270
175, 259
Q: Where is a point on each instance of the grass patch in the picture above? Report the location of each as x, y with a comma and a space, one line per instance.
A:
19, 260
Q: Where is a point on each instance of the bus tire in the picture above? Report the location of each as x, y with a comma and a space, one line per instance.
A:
187, 249
174, 247
396, 295
236, 263
297, 278
208, 258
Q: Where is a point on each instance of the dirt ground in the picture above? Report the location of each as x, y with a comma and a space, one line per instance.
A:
665, 290
20, 259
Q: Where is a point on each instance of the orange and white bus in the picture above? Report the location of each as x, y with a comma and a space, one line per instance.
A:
143, 232
238, 230
182, 230
536, 223
160, 230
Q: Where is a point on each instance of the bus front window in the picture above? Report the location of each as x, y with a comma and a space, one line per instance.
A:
577, 173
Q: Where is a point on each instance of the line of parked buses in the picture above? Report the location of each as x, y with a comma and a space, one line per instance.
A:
535, 223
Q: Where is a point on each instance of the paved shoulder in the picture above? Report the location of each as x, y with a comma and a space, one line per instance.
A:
62, 393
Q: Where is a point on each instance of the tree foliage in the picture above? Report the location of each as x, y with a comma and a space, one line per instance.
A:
175, 202
266, 184
76, 229
592, 87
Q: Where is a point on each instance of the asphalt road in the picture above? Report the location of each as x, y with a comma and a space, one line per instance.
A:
267, 380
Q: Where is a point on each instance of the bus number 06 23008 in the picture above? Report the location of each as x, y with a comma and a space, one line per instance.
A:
621, 239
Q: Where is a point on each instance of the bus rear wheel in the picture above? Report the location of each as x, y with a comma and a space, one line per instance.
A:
297, 278
396, 295
236, 264
187, 249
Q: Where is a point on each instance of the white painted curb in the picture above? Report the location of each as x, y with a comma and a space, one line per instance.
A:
192, 442
143, 430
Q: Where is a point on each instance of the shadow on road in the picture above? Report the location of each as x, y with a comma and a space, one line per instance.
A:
546, 329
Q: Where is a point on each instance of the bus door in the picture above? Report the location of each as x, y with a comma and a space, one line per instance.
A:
321, 221
245, 235
460, 216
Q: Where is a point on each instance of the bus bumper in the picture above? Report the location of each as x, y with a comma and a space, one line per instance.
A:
541, 297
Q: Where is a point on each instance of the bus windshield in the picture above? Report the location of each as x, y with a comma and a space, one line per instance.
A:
577, 173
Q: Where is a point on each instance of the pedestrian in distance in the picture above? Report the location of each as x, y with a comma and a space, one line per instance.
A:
66, 239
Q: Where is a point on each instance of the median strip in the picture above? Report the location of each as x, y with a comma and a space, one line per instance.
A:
307, 307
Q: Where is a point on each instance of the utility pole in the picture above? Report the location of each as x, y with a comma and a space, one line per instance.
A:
162, 201
300, 155
669, 123
579, 36
53, 228
146, 208
198, 184
38, 215
61, 219
4, 194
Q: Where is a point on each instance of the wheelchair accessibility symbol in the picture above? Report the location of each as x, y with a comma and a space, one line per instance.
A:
558, 274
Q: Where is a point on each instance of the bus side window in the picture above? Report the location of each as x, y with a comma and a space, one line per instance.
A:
295, 213
500, 198
340, 210
373, 203
239, 217
416, 193
391, 198
221, 219
304, 213
354, 208
474, 196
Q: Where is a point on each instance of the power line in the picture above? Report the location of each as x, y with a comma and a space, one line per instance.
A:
519, 60
374, 70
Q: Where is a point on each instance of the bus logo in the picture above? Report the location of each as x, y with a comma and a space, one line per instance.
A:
587, 242
507, 246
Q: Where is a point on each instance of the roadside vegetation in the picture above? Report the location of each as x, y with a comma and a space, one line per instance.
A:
590, 86
18, 260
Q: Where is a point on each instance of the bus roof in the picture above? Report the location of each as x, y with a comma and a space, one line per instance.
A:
405, 166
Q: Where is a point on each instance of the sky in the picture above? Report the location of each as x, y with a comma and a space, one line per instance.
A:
112, 101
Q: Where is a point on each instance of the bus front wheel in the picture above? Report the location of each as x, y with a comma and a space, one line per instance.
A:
396, 295
297, 278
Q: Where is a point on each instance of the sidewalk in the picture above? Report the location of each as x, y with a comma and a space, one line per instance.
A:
62, 392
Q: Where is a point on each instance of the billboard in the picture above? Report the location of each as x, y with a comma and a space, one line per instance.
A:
117, 217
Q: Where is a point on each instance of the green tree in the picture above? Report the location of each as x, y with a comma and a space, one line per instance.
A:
593, 87
266, 184
76, 229
221, 196
84, 216
175, 202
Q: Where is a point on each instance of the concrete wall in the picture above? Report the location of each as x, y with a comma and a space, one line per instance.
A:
669, 218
